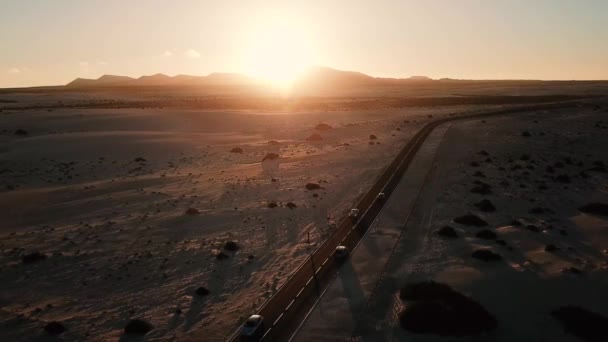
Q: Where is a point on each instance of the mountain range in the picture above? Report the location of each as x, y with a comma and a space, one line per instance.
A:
317, 76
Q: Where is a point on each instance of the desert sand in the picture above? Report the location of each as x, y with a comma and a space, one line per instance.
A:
537, 170
118, 207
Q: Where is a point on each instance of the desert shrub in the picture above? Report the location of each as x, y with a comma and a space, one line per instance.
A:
323, 127
479, 174
32, 257
314, 137
486, 234
582, 323
470, 220
482, 188
192, 211
221, 256
54, 328
372, 137
313, 186
485, 205
447, 231
291, 205
231, 246
272, 205
486, 255
532, 228
138, 327
550, 248
202, 291
595, 208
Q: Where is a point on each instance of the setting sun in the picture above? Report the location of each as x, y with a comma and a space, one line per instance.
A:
277, 53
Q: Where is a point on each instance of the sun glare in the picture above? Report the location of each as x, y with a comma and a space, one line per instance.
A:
278, 53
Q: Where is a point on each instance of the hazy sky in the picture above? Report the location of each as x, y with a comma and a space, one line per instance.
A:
54, 41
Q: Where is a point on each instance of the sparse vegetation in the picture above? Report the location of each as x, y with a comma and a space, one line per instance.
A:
470, 220
486, 255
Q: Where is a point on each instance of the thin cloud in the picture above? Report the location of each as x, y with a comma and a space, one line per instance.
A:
167, 54
192, 54
14, 71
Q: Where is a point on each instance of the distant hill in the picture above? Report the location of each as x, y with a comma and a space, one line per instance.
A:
105, 80
316, 77
213, 79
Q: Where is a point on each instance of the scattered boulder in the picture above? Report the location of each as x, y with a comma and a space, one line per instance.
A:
447, 231
291, 205
470, 220
486, 234
571, 270
138, 327
482, 188
231, 246
236, 150
479, 174
486, 255
54, 328
323, 127
372, 137
32, 257
221, 256
580, 322
314, 137
313, 186
270, 156
550, 248
202, 291
485, 206
438, 309
595, 208
272, 205
21, 132
192, 211
532, 228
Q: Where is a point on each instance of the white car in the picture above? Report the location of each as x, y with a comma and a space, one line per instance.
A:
253, 329
381, 196
341, 252
354, 213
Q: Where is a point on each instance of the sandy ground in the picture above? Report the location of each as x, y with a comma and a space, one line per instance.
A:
523, 288
103, 194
